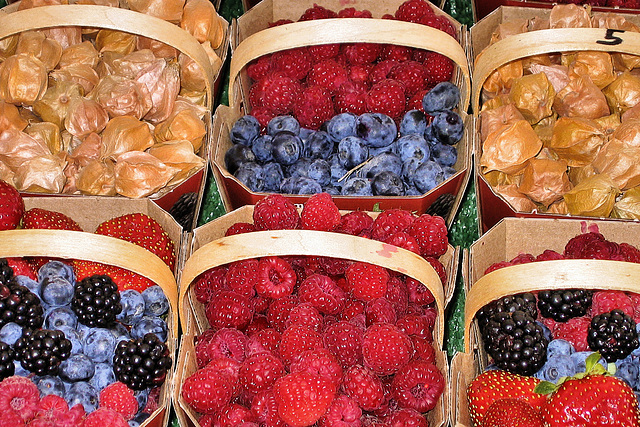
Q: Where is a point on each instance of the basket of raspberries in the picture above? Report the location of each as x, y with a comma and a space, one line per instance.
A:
555, 328
371, 118
302, 318
88, 321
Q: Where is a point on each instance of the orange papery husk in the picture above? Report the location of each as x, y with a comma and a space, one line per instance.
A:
85, 116
576, 140
502, 78
23, 79
48, 134
569, 16
533, 95
41, 175
201, 20
115, 41
628, 206
558, 75
81, 53
97, 178
124, 134
595, 196
623, 93
17, 147
140, 174
37, 44
181, 125
120, 96
10, 117
581, 98
169, 10
545, 180
180, 155
53, 106
490, 120
597, 65
509, 147
520, 202
79, 73
163, 85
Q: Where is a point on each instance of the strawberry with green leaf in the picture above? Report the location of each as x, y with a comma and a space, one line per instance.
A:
594, 398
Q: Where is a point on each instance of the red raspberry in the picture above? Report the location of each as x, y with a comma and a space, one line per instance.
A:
104, 417
417, 325
207, 390
635, 300
120, 398
363, 386
279, 311
320, 213
230, 368
229, 343
397, 294
302, 397
259, 322
297, 339
233, 415
380, 310
280, 22
259, 372
351, 98
351, 12
439, 22
367, 281
395, 52
496, 266
240, 228
412, 75
423, 350
406, 418
265, 410
344, 340
522, 259
381, 71
439, 68
353, 308
323, 293
343, 412
259, 68
209, 283
390, 222
415, 102
275, 212
439, 268
574, 331
266, 340
51, 407
263, 114
361, 53
320, 362
418, 386
294, 63
275, 278
317, 12
418, 292
278, 92
314, 107
605, 301
229, 310
372, 421
574, 247
328, 74
549, 255
387, 97
413, 10
333, 266
306, 314
359, 73
19, 397
385, 348
324, 51
404, 240
356, 223
630, 253
431, 234
241, 277
604, 250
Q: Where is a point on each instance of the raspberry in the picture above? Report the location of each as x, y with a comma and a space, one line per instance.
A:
630, 253
319, 362
423, 350
265, 410
439, 68
313, 107
522, 259
302, 397
320, 213
51, 406
294, 63
333, 266
574, 331
120, 398
431, 234
343, 412
324, 51
266, 340
275, 212
359, 73
361, 53
397, 294
275, 278
439, 268
297, 339
418, 292
259, 372
19, 397
259, 68
240, 228
263, 114
104, 417
280, 22
387, 97
604, 250
404, 240
228, 343
356, 223
323, 293
278, 92
344, 340
576, 245
328, 74
385, 348
415, 102
306, 314
406, 418
209, 283
353, 308
229, 309
233, 415
497, 266
351, 12
606, 301
241, 277
317, 12
381, 70
351, 98
413, 10
230, 368
363, 386
417, 325
367, 281
395, 52
411, 74
390, 222
279, 311
207, 390
418, 386
380, 310
549, 255
439, 22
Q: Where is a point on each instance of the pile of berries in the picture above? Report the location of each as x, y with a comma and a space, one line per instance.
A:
314, 83
626, 4
351, 155
300, 340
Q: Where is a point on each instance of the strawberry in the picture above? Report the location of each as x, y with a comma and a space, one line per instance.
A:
45, 219
303, 397
11, 206
493, 385
142, 230
21, 267
512, 412
125, 279
120, 398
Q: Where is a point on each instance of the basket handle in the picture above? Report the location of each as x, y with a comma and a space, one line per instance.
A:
558, 274
554, 40
315, 243
95, 248
112, 18
348, 30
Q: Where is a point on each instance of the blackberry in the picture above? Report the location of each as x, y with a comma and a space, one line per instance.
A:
142, 363
562, 305
6, 272
19, 305
442, 205
515, 342
7, 356
524, 302
41, 351
96, 301
184, 210
613, 334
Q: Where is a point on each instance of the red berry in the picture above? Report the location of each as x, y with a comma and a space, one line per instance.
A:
387, 97
314, 107
431, 234
363, 386
294, 63
343, 412
320, 213
120, 398
356, 223
351, 12
439, 67
344, 340
385, 348
317, 12
406, 418
279, 311
233, 415
390, 222
302, 397
265, 410
324, 51
19, 397
413, 10
439, 22
209, 283
328, 74
605, 301
323, 293
418, 292
259, 372
522, 259
278, 92
230, 368
229, 309
361, 53
21, 267
266, 340
351, 98
207, 390
381, 70
259, 68
45, 219
575, 331
359, 73
404, 240
367, 281
576, 245
263, 114
417, 325
104, 417
439, 268
228, 343
11, 206
242, 276
395, 52
380, 310
275, 278
549, 255
240, 228
275, 212
320, 362
412, 75
297, 339
306, 314
418, 386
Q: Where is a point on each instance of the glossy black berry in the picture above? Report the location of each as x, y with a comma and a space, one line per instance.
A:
96, 301
19, 305
524, 302
6, 272
562, 305
613, 334
7, 356
142, 363
41, 351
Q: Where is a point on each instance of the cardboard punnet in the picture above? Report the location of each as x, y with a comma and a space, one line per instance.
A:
514, 236
209, 248
491, 206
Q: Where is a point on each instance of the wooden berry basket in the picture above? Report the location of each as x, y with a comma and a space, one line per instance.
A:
509, 238
15, 21
88, 213
492, 207
209, 248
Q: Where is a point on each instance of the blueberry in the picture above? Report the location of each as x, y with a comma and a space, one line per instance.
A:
382, 162
119, 330
99, 345
245, 130
413, 122
428, 176
29, 283
49, 385
411, 190
628, 371
412, 145
56, 291
377, 129
320, 171
352, 151
286, 148
331, 189
377, 151
103, 376
357, 187
579, 358
559, 347
280, 123
429, 136
448, 172
444, 96
83, 330
61, 316
342, 125
155, 301
262, 148
305, 134
10, 333
409, 170
337, 170
447, 127
19, 370
132, 307
300, 185
78, 367
557, 367
387, 183
83, 393
148, 324
273, 176
250, 174
545, 331
444, 155
299, 169
237, 155
140, 418
56, 269
142, 396
74, 336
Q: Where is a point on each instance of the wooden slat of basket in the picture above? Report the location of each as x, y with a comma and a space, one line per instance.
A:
558, 274
349, 30
548, 41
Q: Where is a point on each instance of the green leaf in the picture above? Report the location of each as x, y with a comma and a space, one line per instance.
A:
611, 368
376, 207
592, 362
545, 387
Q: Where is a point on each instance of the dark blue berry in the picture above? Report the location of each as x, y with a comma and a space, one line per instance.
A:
132, 307
341, 126
99, 345
380, 163
155, 301
286, 148
74, 337
409, 169
273, 176
10, 333
300, 185
331, 189
444, 96
320, 171
56, 269
299, 169
245, 130
447, 127
413, 122
56, 291
103, 376
61, 316
318, 145
78, 367
262, 148
280, 123
444, 155
49, 385
387, 184
149, 324
236, 156
83, 393
412, 145
377, 129
250, 174
352, 151
357, 187
428, 176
